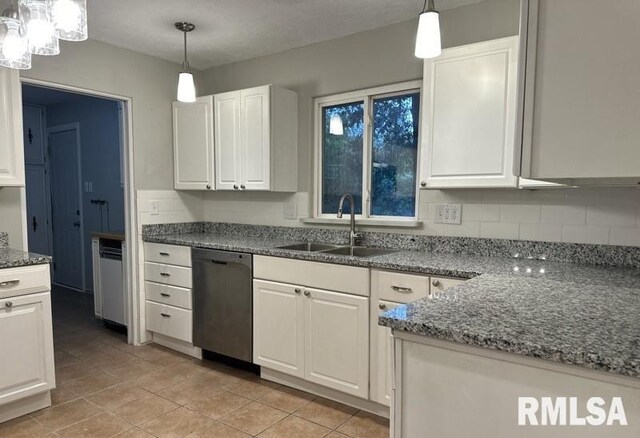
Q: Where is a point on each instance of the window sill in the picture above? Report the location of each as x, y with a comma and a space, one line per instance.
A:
396, 223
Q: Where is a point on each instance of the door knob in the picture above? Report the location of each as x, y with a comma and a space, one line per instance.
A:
34, 223
76, 224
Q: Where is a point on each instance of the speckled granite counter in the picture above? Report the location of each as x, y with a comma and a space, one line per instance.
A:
563, 312
13, 258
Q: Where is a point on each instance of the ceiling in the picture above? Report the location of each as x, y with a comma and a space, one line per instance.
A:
233, 30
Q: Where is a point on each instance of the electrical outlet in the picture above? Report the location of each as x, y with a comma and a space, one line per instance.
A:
449, 214
291, 210
155, 207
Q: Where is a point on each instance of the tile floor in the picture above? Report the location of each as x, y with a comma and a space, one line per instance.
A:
107, 388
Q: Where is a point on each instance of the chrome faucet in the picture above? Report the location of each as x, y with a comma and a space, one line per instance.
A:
352, 234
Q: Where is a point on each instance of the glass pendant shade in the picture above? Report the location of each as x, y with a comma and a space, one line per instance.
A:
14, 45
335, 125
43, 39
186, 88
70, 19
428, 44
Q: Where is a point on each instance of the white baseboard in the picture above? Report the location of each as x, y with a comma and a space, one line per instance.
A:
25, 406
332, 394
175, 344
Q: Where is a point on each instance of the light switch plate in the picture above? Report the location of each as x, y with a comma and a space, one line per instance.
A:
449, 214
291, 210
155, 207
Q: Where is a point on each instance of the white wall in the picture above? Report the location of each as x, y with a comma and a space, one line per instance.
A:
10, 215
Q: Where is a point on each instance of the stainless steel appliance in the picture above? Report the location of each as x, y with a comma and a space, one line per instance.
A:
223, 302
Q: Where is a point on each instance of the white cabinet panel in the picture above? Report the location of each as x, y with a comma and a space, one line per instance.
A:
168, 274
255, 138
11, 145
381, 355
582, 102
167, 254
469, 116
227, 140
193, 144
337, 341
278, 327
27, 346
170, 321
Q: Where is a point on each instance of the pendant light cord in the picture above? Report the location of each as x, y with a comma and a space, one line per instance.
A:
428, 6
185, 64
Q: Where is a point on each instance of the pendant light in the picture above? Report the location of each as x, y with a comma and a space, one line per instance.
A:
186, 86
14, 45
428, 44
70, 19
41, 31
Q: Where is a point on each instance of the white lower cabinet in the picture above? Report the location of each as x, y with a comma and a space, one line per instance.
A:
26, 336
318, 335
381, 380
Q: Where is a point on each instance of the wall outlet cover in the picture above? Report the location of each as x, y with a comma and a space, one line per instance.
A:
449, 214
155, 207
291, 210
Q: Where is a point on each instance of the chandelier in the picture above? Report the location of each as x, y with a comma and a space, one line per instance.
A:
34, 27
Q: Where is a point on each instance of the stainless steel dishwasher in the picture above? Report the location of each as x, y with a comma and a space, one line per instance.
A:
223, 302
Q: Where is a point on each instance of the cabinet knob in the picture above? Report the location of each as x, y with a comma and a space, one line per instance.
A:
235, 187
8, 304
382, 306
242, 186
297, 290
423, 184
435, 283
307, 293
208, 186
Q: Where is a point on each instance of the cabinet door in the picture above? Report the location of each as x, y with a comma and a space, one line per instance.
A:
255, 140
337, 341
278, 327
193, 144
381, 357
469, 116
11, 146
582, 103
27, 346
227, 140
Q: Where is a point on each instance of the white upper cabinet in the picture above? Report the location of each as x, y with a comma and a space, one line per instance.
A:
256, 140
11, 145
582, 99
469, 116
193, 162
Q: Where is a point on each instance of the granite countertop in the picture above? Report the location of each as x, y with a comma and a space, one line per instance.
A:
14, 258
563, 312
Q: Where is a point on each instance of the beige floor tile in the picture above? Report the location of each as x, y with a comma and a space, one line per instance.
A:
189, 369
62, 395
61, 416
286, 399
114, 358
134, 370
216, 429
335, 434
295, 427
139, 411
63, 358
182, 393
178, 423
252, 388
74, 371
215, 403
253, 418
214, 378
23, 427
104, 425
118, 395
134, 433
365, 425
93, 383
159, 380
326, 412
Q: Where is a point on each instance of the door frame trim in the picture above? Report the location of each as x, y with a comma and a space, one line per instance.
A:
74, 126
133, 311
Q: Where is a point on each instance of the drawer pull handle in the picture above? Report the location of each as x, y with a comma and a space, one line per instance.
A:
164, 294
435, 283
402, 290
165, 274
165, 254
9, 283
382, 306
165, 315
8, 304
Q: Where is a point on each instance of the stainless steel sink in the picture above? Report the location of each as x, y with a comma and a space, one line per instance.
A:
359, 251
309, 247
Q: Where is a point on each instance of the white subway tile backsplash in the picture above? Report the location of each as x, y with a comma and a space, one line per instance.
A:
432, 196
585, 234
466, 229
563, 214
624, 236
541, 232
481, 212
619, 216
520, 213
499, 230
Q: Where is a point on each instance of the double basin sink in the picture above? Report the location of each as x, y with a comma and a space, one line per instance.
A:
325, 248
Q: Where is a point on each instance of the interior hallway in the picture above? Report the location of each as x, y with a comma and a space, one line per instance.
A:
107, 388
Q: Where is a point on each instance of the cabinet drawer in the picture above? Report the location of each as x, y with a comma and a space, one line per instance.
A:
169, 254
171, 295
439, 284
169, 321
400, 287
24, 280
167, 274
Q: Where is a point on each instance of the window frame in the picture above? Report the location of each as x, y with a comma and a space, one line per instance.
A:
367, 96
